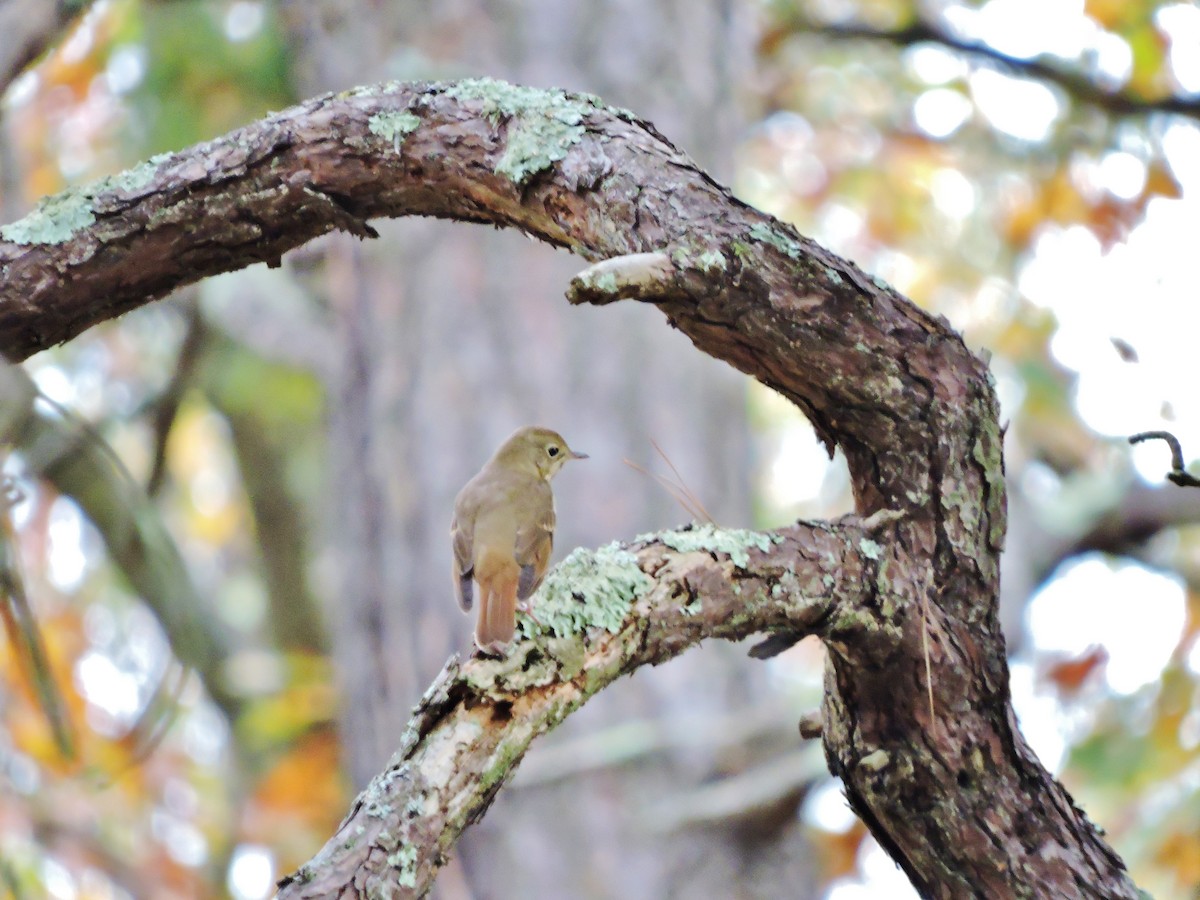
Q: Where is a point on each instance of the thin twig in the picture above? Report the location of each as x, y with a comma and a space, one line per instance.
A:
691, 495
666, 485
165, 408
679, 491
925, 651
1177, 475
1079, 87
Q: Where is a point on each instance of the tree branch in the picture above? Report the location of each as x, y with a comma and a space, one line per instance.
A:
30, 27
1178, 475
956, 798
1079, 87
476, 721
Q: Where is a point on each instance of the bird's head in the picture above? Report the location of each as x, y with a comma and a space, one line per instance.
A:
538, 451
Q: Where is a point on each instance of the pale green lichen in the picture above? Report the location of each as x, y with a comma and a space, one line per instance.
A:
131, 179
553, 659
833, 275
588, 589
712, 261
780, 242
977, 761
53, 221
532, 148
986, 452
377, 808
57, 218
394, 126
602, 282
681, 257
875, 761
852, 620
735, 542
544, 124
869, 548
405, 859
619, 111
370, 90
790, 585
511, 748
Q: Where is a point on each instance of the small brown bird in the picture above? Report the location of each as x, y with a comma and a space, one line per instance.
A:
503, 530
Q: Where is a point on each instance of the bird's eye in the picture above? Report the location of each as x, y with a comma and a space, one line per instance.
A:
553, 451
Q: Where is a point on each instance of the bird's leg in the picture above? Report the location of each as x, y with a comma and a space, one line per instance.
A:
526, 606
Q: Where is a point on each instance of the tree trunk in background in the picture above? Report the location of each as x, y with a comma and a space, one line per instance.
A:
449, 340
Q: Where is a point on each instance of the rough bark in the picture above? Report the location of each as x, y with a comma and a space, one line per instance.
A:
917, 719
476, 721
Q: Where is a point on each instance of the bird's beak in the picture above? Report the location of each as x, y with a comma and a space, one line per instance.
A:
575, 454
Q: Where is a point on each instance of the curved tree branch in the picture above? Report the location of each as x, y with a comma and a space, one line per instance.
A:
948, 786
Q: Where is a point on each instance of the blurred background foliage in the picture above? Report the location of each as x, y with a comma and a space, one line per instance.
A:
1028, 169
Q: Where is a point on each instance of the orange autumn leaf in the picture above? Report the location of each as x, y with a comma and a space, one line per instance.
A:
305, 784
1111, 221
1071, 674
838, 852
1181, 853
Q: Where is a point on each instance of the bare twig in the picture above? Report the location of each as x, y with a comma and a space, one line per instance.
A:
678, 489
165, 408
683, 486
810, 725
1079, 87
1178, 475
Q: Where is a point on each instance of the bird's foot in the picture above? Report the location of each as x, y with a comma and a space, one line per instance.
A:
527, 608
494, 650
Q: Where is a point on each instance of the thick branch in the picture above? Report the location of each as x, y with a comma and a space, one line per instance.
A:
954, 795
475, 723
563, 168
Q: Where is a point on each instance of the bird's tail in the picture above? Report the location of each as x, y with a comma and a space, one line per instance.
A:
497, 611
463, 589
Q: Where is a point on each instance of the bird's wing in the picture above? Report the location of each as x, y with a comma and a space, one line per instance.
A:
534, 543
464, 563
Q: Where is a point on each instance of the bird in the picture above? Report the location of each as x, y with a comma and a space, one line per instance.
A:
503, 531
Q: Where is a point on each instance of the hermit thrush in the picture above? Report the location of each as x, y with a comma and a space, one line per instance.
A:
503, 530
